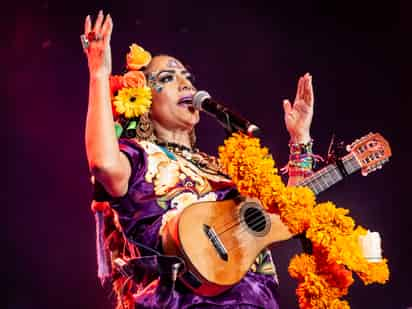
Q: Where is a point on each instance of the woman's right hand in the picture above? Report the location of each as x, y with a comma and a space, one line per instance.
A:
98, 52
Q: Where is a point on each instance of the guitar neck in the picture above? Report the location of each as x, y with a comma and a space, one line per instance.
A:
330, 174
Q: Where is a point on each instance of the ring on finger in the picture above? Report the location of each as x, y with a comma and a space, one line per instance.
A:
93, 36
85, 42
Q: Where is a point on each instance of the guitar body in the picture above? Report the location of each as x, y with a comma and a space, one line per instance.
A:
219, 241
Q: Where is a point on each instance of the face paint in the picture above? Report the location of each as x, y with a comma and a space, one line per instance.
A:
153, 83
173, 63
157, 80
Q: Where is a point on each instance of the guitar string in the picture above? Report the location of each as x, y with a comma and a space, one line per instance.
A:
255, 223
234, 224
242, 230
237, 246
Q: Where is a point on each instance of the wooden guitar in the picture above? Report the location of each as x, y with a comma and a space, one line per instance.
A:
219, 241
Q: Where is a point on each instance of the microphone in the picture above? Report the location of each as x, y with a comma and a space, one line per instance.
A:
229, 120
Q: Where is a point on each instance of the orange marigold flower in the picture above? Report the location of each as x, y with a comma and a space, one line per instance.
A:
137, 57
252, 169
376, 272
300, 265
339, 304
329, 223
314, 292
345, 250
338, 276
296, 206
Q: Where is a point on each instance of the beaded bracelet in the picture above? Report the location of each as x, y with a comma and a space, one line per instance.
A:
301, 159
301, 148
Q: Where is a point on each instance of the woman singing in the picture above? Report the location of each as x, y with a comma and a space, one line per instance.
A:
146, 160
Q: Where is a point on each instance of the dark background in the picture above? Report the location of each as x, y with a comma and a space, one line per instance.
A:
248, 54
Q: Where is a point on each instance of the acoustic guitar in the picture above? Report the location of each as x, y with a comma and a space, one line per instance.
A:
219, 241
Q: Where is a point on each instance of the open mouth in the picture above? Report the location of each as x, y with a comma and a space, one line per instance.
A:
186, 100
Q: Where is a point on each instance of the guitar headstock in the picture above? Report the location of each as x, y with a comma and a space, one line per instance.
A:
371, 151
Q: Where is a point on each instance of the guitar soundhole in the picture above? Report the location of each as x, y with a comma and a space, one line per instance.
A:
255, 219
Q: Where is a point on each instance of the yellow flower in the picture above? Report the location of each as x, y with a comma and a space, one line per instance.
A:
137, 57
133, 102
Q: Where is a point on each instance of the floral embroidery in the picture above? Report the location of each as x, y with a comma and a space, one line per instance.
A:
167, 177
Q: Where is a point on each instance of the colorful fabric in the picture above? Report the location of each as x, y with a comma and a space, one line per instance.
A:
161, 185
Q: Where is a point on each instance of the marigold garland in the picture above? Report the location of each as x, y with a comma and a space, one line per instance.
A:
326, 275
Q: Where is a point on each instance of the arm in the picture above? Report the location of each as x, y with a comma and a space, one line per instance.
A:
107, 164
298, 119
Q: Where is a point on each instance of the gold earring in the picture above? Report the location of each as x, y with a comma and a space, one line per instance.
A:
145, 130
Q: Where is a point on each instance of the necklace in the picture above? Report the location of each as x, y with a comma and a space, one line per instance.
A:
176, 147
200, 159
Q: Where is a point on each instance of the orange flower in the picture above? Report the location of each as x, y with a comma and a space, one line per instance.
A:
300, 265
314, 292
116, 83
296, 206
338, 276
137, 57
376, 272
134, 79
328, 223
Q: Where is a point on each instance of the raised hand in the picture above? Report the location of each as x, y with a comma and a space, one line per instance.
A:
96, 43
298, 116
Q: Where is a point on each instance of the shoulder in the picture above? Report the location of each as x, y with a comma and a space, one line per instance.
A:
140, 145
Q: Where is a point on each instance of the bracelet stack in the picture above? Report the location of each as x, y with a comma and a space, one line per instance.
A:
301, 159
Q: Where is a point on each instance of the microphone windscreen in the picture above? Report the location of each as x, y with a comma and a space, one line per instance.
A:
199, 98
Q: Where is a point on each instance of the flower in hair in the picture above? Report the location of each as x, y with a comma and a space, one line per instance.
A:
131, 97
116, 83
133, 102
134, 79
137, 57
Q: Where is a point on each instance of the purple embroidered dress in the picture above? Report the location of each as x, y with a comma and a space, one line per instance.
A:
162, 184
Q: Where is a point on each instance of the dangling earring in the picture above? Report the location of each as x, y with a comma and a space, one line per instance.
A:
192, 138
144, 130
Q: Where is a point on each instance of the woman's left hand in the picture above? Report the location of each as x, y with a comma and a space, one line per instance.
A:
298, 116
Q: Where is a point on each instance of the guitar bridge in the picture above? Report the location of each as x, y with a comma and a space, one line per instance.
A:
217, 243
